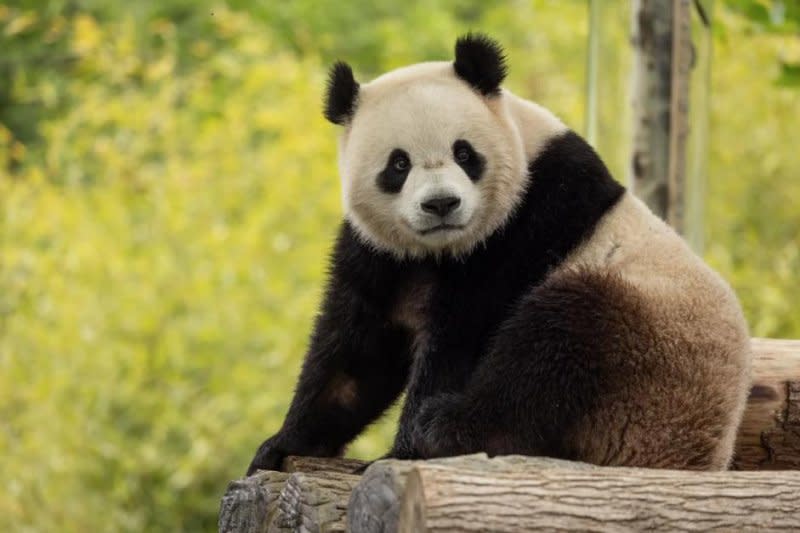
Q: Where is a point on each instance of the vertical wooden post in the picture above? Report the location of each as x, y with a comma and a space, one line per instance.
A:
662, 63
592, 71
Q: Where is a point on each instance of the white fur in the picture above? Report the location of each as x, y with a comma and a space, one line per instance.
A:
423, 109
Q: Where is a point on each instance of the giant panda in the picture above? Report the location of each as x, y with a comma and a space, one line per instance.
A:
490, 267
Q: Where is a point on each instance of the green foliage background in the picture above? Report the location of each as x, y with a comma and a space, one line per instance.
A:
168, 195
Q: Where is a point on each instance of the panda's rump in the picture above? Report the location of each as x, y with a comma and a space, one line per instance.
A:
645, 386
670, 374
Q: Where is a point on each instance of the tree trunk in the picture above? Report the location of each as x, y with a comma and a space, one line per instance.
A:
444, 498
662, 64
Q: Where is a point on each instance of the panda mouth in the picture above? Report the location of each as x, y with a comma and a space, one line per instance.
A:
440, 228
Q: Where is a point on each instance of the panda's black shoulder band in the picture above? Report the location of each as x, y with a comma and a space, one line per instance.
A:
481, 62
341, 93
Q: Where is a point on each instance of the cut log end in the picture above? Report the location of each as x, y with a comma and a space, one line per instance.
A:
248, 503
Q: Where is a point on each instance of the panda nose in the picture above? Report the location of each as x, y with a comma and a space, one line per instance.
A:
441, 206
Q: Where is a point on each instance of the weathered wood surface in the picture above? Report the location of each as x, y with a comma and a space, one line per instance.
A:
444, 498
310, 465
312, 494
249, 504
769, 436
375, 503
316, 502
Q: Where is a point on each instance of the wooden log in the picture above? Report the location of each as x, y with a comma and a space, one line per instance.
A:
769, 436
249, 504
254, 505
443, 498
314, 503
309, 465
375, 503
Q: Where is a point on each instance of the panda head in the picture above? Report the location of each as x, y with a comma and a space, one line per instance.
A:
431, 156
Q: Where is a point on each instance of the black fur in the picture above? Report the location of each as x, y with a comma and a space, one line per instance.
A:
391, 179
474, 165
544, 370
481, 62
341, 94
352, 336
472, 301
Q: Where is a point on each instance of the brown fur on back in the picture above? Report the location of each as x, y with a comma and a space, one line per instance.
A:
683, 368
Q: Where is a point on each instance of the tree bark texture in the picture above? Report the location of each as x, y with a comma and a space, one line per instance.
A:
769, 436
444, 498
310, 495
661, 36
375, 503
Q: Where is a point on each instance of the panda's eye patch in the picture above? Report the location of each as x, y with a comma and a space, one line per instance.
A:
392, 178
470, 161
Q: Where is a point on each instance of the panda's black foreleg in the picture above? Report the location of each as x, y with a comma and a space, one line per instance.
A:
355, 367
548, 364
357, 364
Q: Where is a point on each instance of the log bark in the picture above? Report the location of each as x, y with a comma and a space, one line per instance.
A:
310, 465
314, 503
443, 498
271, 502
375, 503
249, 504
769, 436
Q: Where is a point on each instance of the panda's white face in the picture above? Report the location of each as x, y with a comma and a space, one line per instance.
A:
429, 165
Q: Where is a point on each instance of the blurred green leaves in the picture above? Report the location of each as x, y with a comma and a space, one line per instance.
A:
781, 20
162, 250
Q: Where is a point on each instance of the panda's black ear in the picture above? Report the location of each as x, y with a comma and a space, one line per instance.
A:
341, 93
481, 62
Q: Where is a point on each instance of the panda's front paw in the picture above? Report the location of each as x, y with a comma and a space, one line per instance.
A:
269, 456
442, 427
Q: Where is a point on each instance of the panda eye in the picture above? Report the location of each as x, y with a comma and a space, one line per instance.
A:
471, 162
391, 179
401, 163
